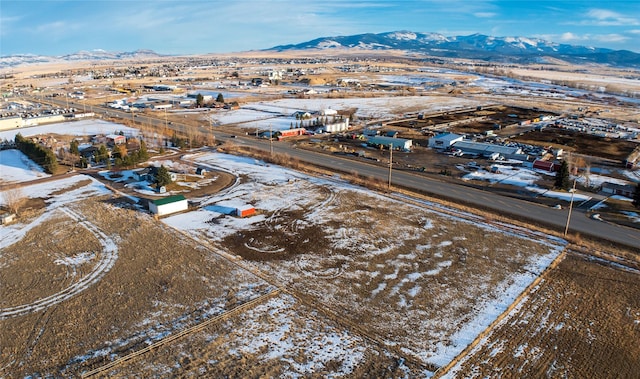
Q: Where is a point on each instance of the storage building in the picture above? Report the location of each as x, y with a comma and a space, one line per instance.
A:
168, 205
444, 140
397, 143
245, 211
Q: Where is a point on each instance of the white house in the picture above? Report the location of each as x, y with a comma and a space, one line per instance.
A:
168, 205
444, 140
328, 112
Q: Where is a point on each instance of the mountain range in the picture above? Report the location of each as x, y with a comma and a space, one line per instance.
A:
475, 46
93, 55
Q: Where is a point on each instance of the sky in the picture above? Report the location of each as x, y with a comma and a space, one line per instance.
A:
196, 26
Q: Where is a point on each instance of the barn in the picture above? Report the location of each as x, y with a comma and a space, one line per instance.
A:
545, 165
168, 205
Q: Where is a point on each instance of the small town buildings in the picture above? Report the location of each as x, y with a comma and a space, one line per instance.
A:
444, 140
168, 205
395, 143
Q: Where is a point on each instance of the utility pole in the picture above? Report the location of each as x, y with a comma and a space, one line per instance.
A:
390, 163
270, 140
573, 190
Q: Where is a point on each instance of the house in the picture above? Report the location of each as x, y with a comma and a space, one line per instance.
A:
444, 140
301, 115
115, 139
168, 205
626, 190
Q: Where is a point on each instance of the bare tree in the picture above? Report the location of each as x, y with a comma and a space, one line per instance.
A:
14, 199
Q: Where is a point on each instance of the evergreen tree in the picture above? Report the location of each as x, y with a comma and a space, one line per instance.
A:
73, 147
163, 178
143, 154
636, 196
562, 177
220, 98
199, 100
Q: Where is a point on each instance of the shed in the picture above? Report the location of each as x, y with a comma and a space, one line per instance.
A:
8, 218
168, 205
245, 211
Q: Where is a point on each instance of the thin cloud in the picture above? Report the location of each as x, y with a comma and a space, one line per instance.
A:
485, 14
604, 17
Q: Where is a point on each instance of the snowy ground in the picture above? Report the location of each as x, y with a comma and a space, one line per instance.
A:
277, 114
522, 177
15, 167
73, 128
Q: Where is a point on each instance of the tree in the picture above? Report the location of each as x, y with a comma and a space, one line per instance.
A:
73, 147
636, 196
199, 100
143, 154
14, 199
220, 98
562, 177
163, 178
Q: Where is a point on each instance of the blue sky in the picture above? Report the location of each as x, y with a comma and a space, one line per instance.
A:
214, 26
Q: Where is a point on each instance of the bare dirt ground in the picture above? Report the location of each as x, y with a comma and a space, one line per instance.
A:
582, 321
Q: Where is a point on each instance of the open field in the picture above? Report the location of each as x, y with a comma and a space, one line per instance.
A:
581, 321
114, 280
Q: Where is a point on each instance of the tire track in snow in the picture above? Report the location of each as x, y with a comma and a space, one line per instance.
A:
107, 258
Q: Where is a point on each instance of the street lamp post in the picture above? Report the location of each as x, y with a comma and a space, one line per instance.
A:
390, 163
573, 190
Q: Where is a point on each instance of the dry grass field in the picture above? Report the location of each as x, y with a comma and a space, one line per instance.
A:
582, 321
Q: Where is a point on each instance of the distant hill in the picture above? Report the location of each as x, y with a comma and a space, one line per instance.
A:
475, 46
94, 55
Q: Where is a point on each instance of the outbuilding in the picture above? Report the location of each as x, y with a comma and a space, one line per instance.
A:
444, 140
168, 205
245, 211
397, 143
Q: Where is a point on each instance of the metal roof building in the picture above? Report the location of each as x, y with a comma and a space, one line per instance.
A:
169, 204
487, 149
398, 143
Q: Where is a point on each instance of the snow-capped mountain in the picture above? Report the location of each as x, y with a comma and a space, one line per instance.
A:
476, 46
93, 55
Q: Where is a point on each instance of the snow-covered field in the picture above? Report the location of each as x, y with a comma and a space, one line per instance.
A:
277, 113
15, 167
73, 128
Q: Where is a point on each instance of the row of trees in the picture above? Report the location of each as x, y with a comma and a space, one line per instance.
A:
37, 153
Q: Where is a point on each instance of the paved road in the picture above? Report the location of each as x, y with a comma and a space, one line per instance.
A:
514, 208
